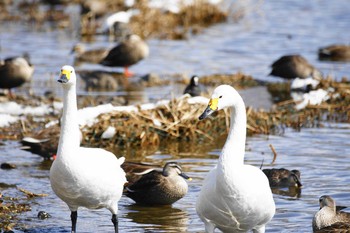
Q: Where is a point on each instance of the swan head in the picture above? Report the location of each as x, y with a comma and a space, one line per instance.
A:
223, 96
67, 75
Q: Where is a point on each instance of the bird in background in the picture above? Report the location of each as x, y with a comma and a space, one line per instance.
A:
15, 71
294, 66
127, 53
193, 88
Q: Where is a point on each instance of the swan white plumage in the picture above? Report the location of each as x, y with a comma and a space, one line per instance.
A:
234, 197
83, 177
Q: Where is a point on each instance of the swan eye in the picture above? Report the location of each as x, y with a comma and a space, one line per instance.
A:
71, 71
220, 96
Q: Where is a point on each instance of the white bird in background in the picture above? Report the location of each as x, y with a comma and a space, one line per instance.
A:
83, 177
235, 197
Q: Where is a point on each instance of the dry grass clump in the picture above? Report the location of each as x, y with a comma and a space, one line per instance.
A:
238, 80
178, 121
152, 22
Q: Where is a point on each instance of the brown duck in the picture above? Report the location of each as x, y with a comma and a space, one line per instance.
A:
283, 177
148, 185
329, 219
15, 71
130, 51
294, 66
335, 53
90, 56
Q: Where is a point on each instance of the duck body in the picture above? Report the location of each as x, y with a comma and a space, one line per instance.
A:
130, 51
80, 176
91, 56
294, 66
14, 72
235, 197
328, 218
335, 53
157, 187
283, 177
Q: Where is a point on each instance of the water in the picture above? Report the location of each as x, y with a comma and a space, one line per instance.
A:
320, 154
249, 46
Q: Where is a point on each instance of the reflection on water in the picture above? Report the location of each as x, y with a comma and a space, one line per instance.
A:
162, 218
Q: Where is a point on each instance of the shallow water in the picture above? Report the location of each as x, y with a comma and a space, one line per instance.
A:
320, 154
249, 46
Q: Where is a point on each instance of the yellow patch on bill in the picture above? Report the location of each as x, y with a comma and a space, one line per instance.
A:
213, 104
67, 73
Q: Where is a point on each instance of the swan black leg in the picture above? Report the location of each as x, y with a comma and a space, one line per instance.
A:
115, 222
73, 217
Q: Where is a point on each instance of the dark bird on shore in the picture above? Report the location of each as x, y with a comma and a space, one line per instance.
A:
334, 53
283, 177
148, 185
90, 56
127, 53
294, 66
329, 218
43, 143
15, 71
193, 87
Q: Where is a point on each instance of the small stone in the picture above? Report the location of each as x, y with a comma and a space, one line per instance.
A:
7, 166
43, 215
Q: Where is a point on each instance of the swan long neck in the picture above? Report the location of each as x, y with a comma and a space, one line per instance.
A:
69, 137
234, 149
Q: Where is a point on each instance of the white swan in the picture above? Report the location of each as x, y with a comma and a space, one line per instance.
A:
235, 197
83, 177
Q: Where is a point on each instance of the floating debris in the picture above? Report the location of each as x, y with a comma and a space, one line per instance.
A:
30, 194
7, 166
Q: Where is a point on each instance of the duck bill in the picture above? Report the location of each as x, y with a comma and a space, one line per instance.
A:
297, 181
212, 107
186, 177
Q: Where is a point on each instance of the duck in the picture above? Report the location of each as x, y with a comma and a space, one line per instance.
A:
91, 56
81, 176
283, 177
229, 199
147, 185
127, 53
338, 227
99, 80
294, 66
43, 143
336, 52
193, 88
330, 217
15, 71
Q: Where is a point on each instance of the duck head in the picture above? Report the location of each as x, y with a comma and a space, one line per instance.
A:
173, 168
327, 201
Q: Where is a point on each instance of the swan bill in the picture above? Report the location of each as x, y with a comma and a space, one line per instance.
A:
207, 112
64, 77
